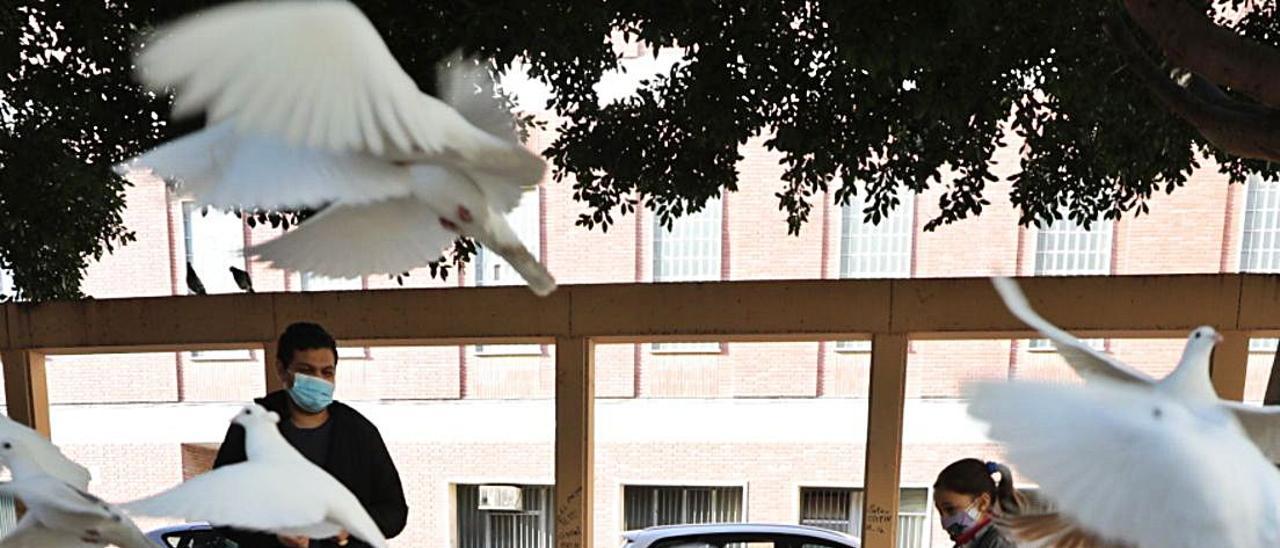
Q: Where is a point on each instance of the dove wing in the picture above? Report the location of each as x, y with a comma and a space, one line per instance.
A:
1262, 424
247, 495
30, 534
467, 86
45, 454
218, 167
1084, 359
1174, 475
345, 241
315, 73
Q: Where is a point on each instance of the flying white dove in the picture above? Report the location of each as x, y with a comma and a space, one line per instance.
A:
59, 513
277, 490
1128, 465
1190, 379
44, 454
307, 108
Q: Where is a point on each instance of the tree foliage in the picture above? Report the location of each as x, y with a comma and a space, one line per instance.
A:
879, 97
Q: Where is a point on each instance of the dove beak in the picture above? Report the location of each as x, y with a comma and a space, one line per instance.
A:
1217, 338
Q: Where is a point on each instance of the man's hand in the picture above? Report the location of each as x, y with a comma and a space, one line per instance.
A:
342, 537
294, 542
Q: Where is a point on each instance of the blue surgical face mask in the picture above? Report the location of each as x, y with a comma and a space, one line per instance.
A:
312, 394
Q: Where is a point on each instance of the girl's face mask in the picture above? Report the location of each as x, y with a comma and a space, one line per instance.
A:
959, 522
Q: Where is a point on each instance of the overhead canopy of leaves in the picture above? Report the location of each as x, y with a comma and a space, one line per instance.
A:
878, 97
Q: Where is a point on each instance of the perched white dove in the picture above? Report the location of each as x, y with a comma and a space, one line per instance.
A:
308, 108
277, 490
1190, 379
59, 513
1128, 465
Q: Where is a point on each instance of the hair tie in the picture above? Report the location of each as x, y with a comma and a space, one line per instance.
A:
992, 467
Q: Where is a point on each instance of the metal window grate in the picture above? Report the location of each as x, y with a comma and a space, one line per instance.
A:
689, 251
533, 527
8, 515
1260, 243
880, 250
1066, 248
840, 509
648, 506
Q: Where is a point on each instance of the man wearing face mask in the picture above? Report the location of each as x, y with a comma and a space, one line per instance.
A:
967, 497
328, 433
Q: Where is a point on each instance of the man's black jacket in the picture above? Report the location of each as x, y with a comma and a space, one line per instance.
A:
357, 458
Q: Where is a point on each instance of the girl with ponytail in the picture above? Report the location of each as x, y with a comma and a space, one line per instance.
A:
967, 497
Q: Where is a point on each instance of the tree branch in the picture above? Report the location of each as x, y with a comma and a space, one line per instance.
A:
1236, 127
1190, 39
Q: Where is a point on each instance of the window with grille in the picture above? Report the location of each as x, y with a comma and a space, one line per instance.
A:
531, 527
1260, 242
1067, 248
312, 282
646, 506
491, 269
689, 251
840, 509
8, 515
881, 250
214, 242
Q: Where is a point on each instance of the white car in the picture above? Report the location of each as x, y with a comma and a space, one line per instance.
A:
752, 535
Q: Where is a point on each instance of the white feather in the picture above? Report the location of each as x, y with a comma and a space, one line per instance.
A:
346, 241
1137, 465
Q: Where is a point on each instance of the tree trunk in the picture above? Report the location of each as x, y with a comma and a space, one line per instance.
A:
1239, 128
1190, 39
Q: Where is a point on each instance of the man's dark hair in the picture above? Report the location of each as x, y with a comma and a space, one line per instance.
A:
304, 336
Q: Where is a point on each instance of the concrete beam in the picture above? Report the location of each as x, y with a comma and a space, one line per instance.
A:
1114, 306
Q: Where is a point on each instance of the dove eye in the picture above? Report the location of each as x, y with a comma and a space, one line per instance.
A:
247, 412
8, 445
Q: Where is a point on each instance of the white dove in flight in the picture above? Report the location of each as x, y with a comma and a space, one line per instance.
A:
307, 108
1189, 379
1130, 465
58, 512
